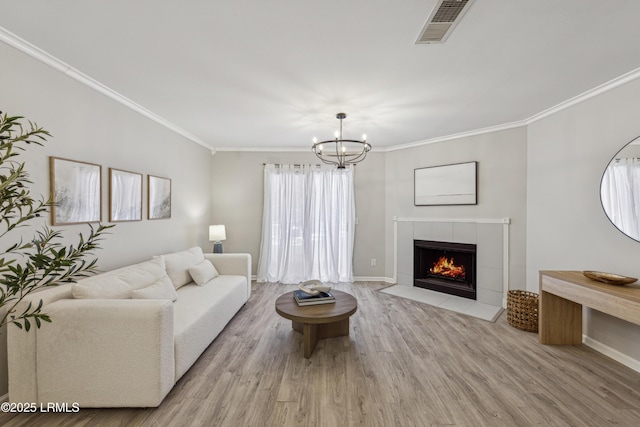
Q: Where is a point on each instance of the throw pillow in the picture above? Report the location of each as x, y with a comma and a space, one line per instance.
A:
177, 265
143, 274
162, 289
99, 287
203, 272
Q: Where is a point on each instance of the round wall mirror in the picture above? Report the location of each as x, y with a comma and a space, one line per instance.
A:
620, 190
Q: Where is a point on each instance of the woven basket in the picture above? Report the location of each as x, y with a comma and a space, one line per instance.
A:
522, 310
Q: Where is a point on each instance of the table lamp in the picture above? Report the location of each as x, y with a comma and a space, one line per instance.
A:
216, 235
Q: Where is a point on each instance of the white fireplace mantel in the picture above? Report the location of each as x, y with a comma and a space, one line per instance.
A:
454, 223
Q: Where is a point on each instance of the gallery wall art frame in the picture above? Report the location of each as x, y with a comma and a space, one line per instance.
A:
453, 184
125, 195
158, 197
76, 191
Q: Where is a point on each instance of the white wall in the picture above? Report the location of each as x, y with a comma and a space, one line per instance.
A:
567, 228
90, 127
238, 187
502, 187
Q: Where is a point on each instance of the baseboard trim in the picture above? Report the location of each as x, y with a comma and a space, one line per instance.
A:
4, 398
373, 279
612, 353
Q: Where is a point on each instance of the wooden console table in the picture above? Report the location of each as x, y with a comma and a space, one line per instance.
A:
562, 295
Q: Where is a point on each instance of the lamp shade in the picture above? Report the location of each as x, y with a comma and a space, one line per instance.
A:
217, 233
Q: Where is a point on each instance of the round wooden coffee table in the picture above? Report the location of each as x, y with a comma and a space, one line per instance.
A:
320, 321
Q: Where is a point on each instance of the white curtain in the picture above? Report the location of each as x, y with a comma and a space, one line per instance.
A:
308, 224
620, 193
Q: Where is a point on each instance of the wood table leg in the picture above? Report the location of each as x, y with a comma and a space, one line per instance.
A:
310, 337
298, 327
335, 329
312, 332
559, 320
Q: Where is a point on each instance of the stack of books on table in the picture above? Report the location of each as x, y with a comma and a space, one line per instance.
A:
303, 298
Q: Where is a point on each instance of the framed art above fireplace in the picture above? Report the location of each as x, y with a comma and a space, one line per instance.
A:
454, 184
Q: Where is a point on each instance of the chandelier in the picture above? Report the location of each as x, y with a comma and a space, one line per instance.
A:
339, 151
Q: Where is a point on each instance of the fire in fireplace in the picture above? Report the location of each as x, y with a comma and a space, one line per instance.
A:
445, 267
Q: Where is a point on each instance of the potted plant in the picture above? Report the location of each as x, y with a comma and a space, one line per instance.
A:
28, 266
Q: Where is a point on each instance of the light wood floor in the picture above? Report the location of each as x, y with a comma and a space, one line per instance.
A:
404, 364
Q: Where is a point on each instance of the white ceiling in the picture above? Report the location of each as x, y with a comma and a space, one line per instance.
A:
241, 74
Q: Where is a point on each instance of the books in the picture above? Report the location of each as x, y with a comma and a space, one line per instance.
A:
303, 298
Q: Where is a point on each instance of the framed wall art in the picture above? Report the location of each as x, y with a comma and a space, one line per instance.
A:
76, 191
125, 195
159, 197
454, 184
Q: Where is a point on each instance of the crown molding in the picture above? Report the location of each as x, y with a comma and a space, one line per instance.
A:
482, 131
24, 46
490, 129
591, 93
266, 149
40, 55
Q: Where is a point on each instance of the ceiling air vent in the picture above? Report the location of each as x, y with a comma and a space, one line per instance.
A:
443, 19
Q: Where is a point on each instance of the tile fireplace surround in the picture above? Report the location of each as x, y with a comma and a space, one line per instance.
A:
491, 236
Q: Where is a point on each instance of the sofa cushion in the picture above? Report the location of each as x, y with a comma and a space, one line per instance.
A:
200, 314
162, 289
101, 287
203, 272
141, 275
177, 265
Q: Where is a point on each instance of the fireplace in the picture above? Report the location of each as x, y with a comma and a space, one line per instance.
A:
445, 267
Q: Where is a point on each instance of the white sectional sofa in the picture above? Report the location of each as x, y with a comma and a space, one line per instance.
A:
125, 337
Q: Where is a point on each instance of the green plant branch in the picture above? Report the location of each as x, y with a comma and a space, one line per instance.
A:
50, 264
42, 262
